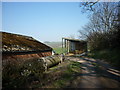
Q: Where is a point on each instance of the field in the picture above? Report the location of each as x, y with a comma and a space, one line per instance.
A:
54, 44
57, 47
59, 50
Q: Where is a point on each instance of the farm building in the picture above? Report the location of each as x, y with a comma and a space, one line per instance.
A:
24, 58
16, 47
75, 46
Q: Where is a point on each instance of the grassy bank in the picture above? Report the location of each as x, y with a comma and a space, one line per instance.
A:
110, 55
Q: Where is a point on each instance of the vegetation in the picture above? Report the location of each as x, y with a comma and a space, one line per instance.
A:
17, 74
72, 69
60, 76
103, 31
111, 56
59, 50
31, 73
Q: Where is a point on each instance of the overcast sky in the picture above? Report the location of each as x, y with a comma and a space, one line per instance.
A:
47, 21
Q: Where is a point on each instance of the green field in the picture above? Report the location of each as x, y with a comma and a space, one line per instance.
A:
59, 50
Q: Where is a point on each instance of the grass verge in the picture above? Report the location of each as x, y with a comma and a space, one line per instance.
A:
61, 75
111, 56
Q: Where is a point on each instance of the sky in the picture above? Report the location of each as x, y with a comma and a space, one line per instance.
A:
44, 21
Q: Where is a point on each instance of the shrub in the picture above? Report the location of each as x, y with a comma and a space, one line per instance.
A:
109, 55
18, 73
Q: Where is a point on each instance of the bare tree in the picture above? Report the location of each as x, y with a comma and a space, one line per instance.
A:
101, 22
88, 6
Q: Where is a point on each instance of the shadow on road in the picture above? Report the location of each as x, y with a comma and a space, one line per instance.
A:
95, 74
105, 69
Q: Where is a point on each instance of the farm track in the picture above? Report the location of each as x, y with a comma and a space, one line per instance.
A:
95, 74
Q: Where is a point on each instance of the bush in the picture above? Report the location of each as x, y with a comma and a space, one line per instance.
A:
18, 73
110, 55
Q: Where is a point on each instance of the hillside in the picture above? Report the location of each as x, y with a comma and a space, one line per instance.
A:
54, 44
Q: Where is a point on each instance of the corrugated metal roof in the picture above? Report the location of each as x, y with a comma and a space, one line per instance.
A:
15, 42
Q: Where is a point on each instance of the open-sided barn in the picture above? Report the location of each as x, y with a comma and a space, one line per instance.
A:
75, 46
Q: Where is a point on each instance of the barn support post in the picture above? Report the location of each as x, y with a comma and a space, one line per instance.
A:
62, 45
67, 46
65, 43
